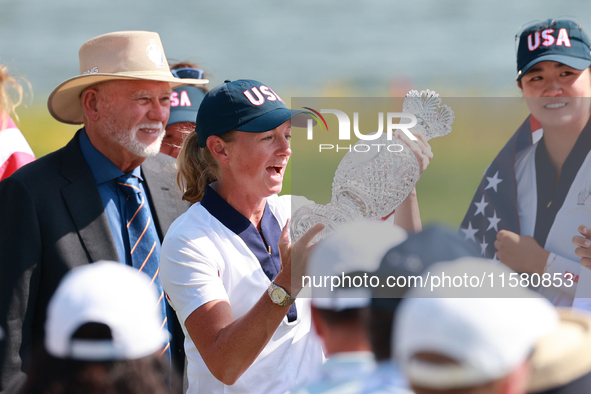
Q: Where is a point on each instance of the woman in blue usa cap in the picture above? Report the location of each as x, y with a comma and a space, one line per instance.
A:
227, 264
537, 190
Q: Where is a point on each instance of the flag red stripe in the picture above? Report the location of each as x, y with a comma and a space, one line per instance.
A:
14, 162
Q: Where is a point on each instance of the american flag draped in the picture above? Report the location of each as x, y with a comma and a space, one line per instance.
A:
494, 206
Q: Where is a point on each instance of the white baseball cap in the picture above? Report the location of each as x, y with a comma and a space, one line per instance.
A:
108, 293
357, 246
487, 338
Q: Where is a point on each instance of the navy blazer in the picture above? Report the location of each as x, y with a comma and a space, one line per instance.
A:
51, 220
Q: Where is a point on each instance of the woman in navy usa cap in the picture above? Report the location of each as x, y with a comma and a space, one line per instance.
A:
227, 264
541, 182
221, 259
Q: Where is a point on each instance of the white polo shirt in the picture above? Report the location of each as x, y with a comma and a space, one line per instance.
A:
575, 210
203, 260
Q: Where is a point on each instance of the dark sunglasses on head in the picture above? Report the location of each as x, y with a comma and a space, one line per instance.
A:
188, 72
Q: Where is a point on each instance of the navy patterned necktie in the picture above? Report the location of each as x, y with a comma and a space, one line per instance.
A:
143, 239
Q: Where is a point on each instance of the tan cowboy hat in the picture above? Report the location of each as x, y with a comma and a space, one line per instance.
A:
561, 361
119, 55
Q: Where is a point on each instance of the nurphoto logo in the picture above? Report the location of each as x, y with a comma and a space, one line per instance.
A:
406, 121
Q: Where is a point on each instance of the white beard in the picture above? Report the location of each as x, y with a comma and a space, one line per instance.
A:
128, 138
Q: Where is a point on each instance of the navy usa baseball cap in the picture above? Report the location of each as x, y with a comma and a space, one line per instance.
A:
558, 40
185, 100
243, 105
413, 257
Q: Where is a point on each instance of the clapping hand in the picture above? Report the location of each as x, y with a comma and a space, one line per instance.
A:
294, 258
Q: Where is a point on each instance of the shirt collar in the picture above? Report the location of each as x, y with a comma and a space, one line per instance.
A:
353, 357
102, 168
223, 211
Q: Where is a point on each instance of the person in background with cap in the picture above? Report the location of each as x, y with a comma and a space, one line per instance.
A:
408, 259
107, 195
184, 103
551, 196
227, 265
473, 340
338, 316
103, 335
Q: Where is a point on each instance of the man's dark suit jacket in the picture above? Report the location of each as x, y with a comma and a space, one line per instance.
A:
51, 220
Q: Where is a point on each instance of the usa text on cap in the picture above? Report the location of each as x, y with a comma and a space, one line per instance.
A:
558, 40
244, 105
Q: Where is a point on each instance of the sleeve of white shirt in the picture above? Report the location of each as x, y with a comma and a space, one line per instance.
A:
190, 272
559, 266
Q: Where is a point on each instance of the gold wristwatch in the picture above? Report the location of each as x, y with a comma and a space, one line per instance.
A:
279, 296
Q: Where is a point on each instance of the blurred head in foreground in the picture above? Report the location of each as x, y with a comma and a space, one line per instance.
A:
339, 309
462, 342
356, 247
102, 335
411, 258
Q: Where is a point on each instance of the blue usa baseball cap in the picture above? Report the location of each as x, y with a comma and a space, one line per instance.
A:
413, 257
184, 104
558, 40
185, 100
244, 105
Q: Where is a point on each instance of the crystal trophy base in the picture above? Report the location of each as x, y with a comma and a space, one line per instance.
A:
332, 216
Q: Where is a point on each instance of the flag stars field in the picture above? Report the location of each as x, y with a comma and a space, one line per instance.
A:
493, 181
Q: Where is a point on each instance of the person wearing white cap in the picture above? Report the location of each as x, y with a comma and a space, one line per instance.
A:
338, 315
471, 340
92, 199
102, 335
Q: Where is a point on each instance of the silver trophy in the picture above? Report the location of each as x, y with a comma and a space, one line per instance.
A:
371, 184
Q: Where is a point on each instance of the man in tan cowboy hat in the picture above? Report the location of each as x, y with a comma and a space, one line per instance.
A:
107, 195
